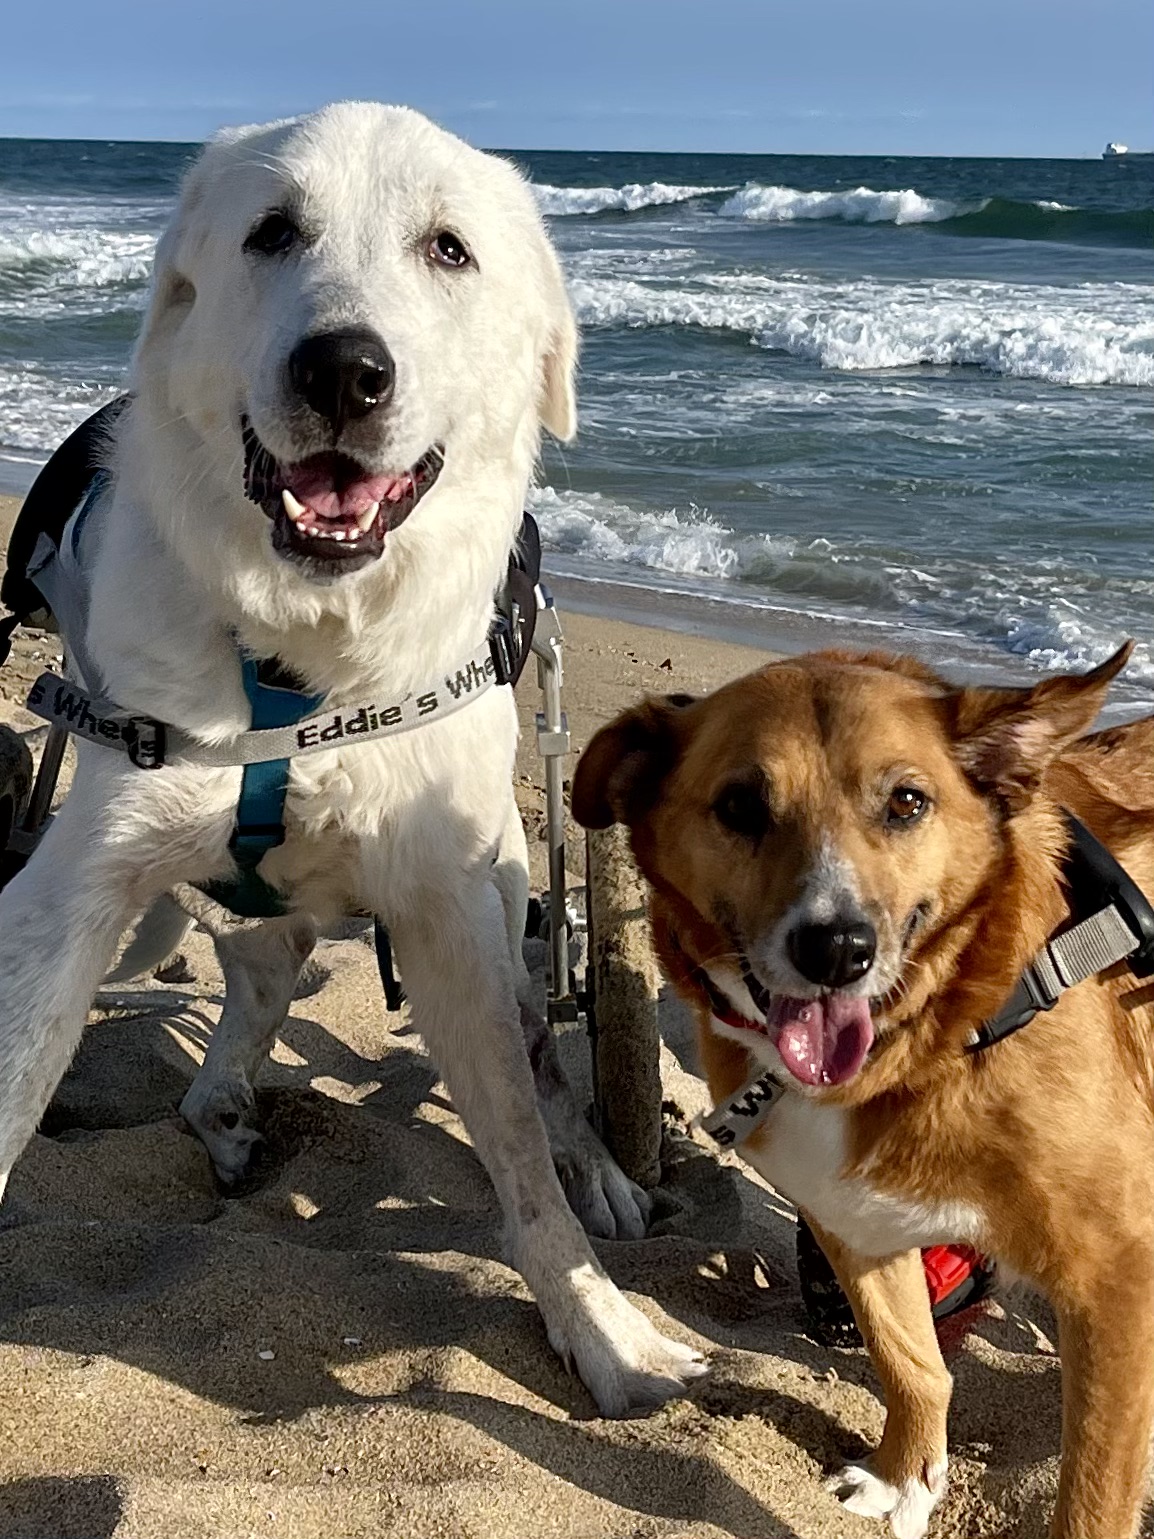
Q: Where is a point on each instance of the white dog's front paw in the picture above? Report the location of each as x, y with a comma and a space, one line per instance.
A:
222, 1117
907, 1506
626, 1364
602, 1196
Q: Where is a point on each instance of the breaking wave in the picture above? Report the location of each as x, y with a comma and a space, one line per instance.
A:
558, 201
861, 205
993, 218
990, 218
43, 272
1062, 336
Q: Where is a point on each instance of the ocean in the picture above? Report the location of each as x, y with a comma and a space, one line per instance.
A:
912, 396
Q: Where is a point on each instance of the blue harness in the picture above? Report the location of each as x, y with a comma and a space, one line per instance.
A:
275, 702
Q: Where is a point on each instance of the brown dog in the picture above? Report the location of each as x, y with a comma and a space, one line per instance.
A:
852, 865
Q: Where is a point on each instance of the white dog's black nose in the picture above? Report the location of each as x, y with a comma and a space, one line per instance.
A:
342, 375
833, 955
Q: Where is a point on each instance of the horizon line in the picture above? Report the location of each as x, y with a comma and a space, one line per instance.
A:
536, 149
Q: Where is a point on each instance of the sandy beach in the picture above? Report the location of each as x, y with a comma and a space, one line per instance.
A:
342, 1352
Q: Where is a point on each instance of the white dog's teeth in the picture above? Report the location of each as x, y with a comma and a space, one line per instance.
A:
337, 534
366, 519
292, 506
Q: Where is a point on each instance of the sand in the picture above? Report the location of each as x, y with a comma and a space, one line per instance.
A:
342, 1352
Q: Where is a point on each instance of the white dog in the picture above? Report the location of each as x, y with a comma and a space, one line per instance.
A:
356, 329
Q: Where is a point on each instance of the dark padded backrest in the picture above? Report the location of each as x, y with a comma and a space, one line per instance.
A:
53, 498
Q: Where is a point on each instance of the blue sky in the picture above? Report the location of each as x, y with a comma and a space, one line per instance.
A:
1016, 77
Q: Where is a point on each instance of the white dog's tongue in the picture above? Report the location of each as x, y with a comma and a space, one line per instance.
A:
823, 1041
329, 495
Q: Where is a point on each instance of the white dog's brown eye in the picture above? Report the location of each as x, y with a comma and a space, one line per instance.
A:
274, 235
906, 805
741, 808
447, 250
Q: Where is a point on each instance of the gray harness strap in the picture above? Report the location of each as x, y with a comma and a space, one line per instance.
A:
150, 743
1090, 947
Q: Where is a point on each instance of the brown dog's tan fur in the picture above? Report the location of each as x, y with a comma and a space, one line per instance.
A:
1048, 1136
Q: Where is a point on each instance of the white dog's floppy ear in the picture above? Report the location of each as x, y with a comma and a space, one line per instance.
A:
171, 294
557, 397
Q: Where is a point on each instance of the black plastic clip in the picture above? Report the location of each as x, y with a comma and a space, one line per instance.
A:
504, 649
146, 742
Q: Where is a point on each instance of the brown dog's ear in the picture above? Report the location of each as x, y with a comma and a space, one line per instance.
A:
1005, 738
624, 763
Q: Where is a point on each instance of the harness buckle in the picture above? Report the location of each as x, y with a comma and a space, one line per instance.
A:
1043, 994
503, 648
146, 741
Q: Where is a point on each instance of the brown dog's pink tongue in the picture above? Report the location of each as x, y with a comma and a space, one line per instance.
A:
823, 1041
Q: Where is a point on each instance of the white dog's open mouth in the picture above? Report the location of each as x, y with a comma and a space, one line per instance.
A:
328, 508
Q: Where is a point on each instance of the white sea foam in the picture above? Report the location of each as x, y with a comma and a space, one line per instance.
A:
595, 200
592, 526
698, 553
859, 205
92, 255
38, 410
1100, 334
1055, 641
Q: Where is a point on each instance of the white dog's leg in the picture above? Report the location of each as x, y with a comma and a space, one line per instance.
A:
608, 1204
261, 968
60, 919
455, 962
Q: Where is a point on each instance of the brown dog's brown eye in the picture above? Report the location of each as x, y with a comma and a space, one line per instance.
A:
741, 808
446, 250
906, 805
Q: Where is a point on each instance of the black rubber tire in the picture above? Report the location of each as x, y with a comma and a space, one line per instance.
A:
15, 782
827, 1309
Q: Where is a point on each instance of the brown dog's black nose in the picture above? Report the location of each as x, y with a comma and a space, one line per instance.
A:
833, 955
342, 375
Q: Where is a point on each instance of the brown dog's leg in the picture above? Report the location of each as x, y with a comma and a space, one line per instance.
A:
906, 1477
1107, 1342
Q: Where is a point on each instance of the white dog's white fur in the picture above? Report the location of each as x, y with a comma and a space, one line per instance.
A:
419, 829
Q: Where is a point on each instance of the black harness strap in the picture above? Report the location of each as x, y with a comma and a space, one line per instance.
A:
1114, 921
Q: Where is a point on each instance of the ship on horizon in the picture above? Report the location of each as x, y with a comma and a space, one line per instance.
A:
1116, 151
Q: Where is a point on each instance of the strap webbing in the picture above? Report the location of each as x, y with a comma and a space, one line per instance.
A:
734, 1119
1090, 947
66, 705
